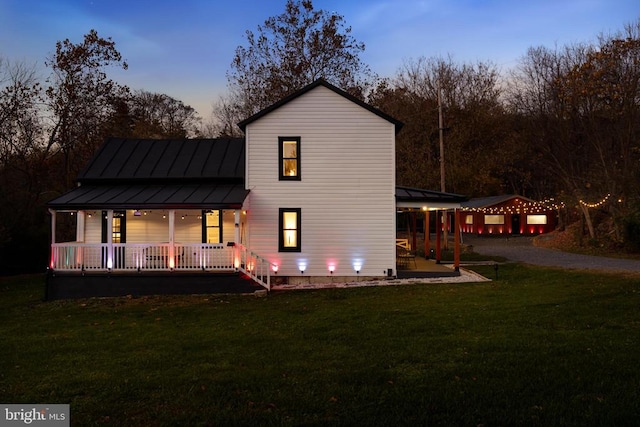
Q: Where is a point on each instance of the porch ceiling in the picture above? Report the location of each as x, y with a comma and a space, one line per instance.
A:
153, 196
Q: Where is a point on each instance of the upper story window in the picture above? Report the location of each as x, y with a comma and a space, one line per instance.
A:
289, 154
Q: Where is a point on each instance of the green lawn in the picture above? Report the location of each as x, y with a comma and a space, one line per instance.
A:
535, 347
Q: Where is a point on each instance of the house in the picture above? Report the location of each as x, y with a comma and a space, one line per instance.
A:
308, 195
508, 215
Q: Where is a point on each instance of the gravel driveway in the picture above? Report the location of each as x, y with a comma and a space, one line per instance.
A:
521, 249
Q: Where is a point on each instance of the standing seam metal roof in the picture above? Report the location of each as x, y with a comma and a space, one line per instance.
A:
170, 173
146, 159
409, 194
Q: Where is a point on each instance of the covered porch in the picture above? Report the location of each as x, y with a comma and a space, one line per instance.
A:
419, 206
130, 240
131, 251
134, 232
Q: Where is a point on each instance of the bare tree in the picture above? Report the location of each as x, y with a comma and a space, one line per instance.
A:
604, 93
290, 51
156, 115
580, 108
534, 93
226, 114
472, 122
23, 167
81, 98
20, 124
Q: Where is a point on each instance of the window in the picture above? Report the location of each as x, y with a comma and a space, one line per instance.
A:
289, 154
493, 219
212, 226
289, 224
468, 219
537, 219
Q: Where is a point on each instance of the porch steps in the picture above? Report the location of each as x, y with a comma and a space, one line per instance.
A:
66, 285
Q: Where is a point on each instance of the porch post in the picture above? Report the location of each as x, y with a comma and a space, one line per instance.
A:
80, 226
427, 242
52, 256
236, 235
53, 226
172, 236
172, 223
414, 231
110, 239
456, 248
438, 233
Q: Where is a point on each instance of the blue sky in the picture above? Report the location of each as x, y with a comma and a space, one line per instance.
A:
184, 48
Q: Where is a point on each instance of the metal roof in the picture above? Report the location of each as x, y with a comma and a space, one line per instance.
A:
161, 173
320, 82
166, 159
153, 196
409, 197
422, 195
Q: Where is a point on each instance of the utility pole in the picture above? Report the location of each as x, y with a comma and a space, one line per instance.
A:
442, 181
441, 131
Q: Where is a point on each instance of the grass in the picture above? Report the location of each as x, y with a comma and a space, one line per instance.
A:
535, 347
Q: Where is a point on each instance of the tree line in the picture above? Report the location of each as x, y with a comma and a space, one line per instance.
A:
50, 128
563, 123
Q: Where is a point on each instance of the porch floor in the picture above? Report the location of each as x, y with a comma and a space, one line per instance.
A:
425, 268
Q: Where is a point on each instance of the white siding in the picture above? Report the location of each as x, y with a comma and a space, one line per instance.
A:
228, 226
153, 226
188, 226
347, 191
93, 227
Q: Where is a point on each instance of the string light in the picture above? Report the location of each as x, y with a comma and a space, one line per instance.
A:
597, 204
520, 206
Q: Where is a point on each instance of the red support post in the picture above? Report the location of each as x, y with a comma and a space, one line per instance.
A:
414, 230
427, 243
456, 248
438, 238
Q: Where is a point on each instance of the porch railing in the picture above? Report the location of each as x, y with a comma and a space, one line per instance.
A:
254, 266
139, 256
160, 257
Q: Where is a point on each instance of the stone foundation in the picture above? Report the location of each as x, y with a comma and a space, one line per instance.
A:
306, 280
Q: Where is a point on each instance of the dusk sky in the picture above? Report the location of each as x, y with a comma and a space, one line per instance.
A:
184, 48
